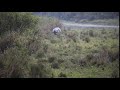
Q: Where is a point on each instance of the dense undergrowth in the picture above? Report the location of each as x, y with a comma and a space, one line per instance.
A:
28, 49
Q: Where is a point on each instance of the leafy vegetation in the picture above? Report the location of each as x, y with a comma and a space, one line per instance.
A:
33, 51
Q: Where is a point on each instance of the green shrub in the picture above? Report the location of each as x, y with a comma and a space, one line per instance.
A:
51, 59
62, 75
82, 62
16, 21
60, 61
39, 71
72, 36
7, 41
100, 58
79, 48
113, 54
55, 40
82, 36
45, 48
34, 47
40, 54
91, 33
115, 69
103, 31
89, 57
15, 63
87, 39
74, 61
55, 65
115, 73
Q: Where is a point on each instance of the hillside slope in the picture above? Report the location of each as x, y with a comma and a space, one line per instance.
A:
77, 16
28, 49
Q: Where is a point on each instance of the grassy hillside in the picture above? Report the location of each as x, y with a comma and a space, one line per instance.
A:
29, 49
101, 21
87, 53
77, 16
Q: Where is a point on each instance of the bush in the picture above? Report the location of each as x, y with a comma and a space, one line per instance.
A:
55, 40
62, 75
51, 59
14, 63
103, 31
73, 36
40, 54
99, 58
7, 41
113, 55
115, 73
87, 39
45, 48
55, 65
115, 69
39, 71
60, 61
91, 33
89, 57
82, 62
74, 61
34, 47
79, 48
16, 21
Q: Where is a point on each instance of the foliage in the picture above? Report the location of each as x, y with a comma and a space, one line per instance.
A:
62, 75
34, 52
16, 21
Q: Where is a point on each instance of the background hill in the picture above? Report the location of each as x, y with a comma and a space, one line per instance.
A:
76, 16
